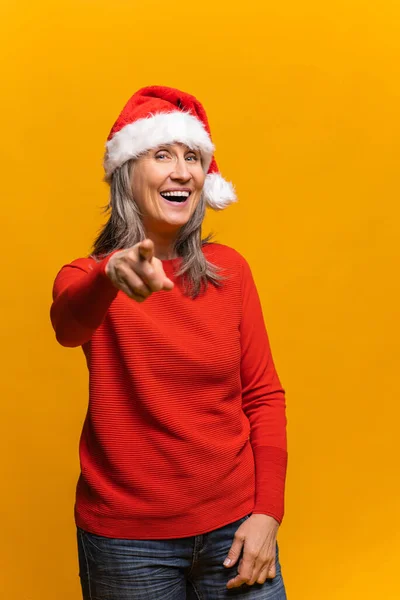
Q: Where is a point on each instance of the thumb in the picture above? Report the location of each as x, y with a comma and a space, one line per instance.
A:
146, 250
233, 553
168, 284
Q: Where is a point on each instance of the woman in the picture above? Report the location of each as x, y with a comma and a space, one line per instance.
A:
183, 449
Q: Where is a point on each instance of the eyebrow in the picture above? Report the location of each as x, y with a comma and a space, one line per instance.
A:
178, 143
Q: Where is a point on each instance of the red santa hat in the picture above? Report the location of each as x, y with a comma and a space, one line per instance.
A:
158, 115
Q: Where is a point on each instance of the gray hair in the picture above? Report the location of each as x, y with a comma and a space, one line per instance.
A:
124, 229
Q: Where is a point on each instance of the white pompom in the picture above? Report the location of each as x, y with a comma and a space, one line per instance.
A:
218, 192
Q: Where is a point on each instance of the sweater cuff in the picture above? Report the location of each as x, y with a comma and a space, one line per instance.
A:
88, 303
270, 476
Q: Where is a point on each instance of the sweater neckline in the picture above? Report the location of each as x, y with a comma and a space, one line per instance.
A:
170, 260
171, 264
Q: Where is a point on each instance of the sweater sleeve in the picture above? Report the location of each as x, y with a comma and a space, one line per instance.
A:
263, 401
82, 294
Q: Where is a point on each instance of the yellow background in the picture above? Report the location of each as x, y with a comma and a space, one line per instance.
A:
303, 101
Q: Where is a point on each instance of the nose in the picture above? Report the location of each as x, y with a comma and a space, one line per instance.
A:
181, 171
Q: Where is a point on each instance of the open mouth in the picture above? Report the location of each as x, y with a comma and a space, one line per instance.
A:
175, 197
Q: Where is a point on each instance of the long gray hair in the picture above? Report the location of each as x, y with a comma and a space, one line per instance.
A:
124, 229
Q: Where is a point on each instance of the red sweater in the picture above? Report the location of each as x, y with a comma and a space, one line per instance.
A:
186, 429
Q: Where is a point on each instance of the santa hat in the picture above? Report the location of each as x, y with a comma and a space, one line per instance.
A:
158, 115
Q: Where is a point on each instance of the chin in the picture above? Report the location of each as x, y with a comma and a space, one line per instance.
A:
175, 224
177, 220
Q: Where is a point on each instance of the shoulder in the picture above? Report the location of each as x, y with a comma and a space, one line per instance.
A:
232, 263
223, 256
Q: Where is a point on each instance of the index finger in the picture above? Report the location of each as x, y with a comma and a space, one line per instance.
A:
146, 250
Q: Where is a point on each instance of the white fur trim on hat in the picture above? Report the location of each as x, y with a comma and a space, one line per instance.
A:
218, 192
154, 130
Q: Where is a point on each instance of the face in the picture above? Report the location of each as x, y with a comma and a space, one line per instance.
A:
167, 183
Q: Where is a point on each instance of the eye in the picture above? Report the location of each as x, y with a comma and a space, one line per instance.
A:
162, 155
192, 158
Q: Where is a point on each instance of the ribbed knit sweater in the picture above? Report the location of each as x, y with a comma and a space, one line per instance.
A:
185, 430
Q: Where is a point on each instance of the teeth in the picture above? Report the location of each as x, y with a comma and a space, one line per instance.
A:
178, 194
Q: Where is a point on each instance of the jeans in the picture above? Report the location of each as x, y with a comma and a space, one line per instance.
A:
175, 569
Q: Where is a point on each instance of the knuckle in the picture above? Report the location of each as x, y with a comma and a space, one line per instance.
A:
143, 270
153, 282
141, 290
121, 269
156, 285
121, 257
140, 295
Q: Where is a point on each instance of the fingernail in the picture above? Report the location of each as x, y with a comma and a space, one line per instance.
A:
227, 562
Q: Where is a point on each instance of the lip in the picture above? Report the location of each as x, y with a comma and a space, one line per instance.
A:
176, 190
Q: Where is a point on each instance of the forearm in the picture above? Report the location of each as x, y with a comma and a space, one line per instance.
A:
270, 476
267, 417
80, 302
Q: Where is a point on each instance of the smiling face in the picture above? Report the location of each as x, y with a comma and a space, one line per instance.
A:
167, 183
